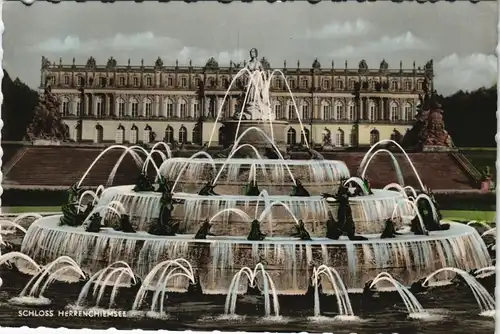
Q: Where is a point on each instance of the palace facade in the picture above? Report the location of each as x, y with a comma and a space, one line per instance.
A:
143, 104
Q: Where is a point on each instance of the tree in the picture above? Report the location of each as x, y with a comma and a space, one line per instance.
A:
19, 102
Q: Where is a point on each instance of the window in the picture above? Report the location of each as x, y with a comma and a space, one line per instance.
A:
291, 138
99, 134
326, 84
394, 85
340, 84
327, 112
65, 107
351, 112
291, 83
408, 115
102, 82
78, 108
339, 110
304, 84
120, 135
136, 81
170, 81
183, 109
304, 136
408, 85
99, 108
122, 81
149, 81
147, 134
66, 79
291, 112
196, 110
306, 115
183, 82
394, 112
374, 137
420, 85
170, 108
340, 140
81, 81
182, 135
149, 109
372, 112
277, 83
134, 135
169, 135
278, 112
135, 109
121, 108
352, 84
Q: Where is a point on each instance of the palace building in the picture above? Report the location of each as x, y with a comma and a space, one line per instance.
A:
114, 103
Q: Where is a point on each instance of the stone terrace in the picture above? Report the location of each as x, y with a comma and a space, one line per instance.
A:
53, 167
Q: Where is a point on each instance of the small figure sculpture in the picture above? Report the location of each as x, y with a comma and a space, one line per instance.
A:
164, 185
301, 231
82, 216
208, 189
333, 229
74, 192
204, 230
368, 291
315, 155
143, 183
418, 286
125, 225
165, 225
389, 230
299, 190
94, 224
345, 218
252, 189
69, 217
431, 223
416, 227
255, 232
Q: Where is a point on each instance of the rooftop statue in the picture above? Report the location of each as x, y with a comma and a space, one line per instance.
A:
47, 123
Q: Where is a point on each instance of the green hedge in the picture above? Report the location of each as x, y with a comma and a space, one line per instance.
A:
41, 197
34, 197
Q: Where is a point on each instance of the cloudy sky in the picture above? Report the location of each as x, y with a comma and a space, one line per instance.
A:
460, 37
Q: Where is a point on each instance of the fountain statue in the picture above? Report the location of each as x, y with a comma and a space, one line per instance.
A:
165, 224
255, 232
301, 232
124, 225
94, 223
204, 230
47, 123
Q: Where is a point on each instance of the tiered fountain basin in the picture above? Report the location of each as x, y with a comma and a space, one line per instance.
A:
277, 176
369, 211
288, 261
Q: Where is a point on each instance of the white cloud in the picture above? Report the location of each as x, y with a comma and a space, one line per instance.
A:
120, 42
387, 44
470, 72
340, 29
200, 56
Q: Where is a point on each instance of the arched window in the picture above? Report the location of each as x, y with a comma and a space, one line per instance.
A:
182, 135
394, 111
350, 115
147, 135
120, 134
340, 138
148, 108
304, 135
327, 111
169, 135
374, 137
134, 134
169, 108
197, 134
183, 108
306, 112
372, 111
99, 106
134, 107
354, 136
99, 134
291, 137
407, 112
121, 107
65, 106
339, 110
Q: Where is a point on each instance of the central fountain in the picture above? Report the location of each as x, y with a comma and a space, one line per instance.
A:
249, 208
